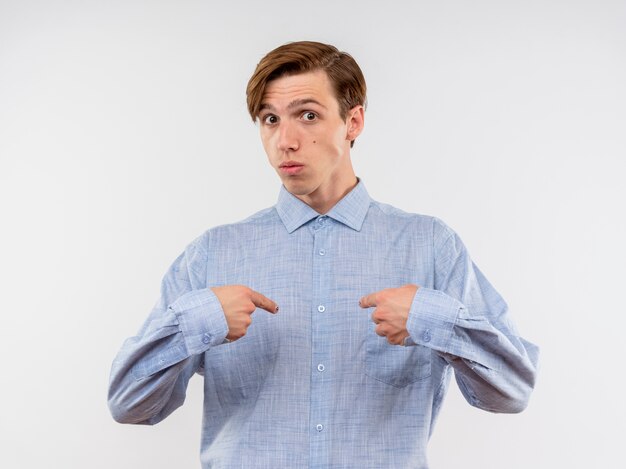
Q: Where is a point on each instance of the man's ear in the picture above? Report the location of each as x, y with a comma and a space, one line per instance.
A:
355, 121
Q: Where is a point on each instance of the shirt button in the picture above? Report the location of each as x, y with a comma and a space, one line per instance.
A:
321, 308
320, 367
319, 427
426, 336
206, 338
322, 252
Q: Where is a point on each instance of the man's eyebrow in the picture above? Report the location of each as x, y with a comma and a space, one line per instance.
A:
302, 102
293, 104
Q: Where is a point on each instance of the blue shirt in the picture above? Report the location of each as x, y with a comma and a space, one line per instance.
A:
314, 386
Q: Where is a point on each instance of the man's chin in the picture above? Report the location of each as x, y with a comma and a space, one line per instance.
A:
296, 187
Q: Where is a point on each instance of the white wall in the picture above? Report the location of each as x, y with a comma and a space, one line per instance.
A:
124, 135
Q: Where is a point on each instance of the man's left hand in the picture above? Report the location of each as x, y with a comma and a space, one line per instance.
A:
392, 311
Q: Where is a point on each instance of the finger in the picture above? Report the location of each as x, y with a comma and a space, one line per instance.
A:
368, 301
263, 302
397, 339
380, 331
393, 341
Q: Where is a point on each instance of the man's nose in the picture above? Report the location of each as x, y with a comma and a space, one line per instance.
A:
287, 137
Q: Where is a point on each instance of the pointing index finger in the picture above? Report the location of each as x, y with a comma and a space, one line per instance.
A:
263, 302
368, 301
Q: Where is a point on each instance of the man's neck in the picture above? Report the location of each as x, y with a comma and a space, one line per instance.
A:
322, 203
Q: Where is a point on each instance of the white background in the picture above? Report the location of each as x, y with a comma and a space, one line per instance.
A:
124, 135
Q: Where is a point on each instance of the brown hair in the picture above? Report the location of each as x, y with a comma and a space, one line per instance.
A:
294, 58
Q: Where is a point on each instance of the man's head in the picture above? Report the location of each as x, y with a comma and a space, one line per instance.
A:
346, 78
308, 98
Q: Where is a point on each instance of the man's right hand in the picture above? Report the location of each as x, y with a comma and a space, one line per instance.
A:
238, 303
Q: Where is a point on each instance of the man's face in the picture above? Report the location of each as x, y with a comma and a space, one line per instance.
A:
306, 140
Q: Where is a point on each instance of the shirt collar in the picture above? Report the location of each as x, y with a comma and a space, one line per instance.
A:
350, 210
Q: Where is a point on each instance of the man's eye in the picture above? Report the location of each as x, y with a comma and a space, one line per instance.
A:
309, 116
270, 119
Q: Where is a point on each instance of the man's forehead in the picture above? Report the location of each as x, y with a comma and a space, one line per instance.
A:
294, 90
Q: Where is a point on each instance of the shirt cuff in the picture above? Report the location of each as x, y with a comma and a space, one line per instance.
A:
201, 320
432, 317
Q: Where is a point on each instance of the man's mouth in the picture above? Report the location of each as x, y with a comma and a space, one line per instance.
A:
290, 167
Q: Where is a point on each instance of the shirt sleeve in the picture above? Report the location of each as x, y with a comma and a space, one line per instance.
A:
150, 373
467, 322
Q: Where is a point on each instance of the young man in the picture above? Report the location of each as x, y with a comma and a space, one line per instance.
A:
377, 306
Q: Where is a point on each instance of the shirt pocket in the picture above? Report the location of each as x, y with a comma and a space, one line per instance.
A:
239, 369
394, 364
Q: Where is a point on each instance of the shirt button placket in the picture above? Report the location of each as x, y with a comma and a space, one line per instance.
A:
321, 311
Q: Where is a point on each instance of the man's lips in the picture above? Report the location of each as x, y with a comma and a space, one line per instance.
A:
290, 167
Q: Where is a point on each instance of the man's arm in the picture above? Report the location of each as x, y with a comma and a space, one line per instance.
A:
150, 374
466, 321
